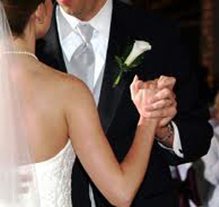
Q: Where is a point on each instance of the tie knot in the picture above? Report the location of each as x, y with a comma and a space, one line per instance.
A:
86, 31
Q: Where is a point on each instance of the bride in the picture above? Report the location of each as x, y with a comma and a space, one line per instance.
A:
53, 118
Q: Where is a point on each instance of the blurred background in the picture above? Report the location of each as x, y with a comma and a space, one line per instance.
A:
199, 21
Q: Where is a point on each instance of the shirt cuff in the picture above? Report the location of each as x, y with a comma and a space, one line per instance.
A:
177, 146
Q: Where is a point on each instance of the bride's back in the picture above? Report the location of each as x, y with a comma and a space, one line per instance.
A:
44, 92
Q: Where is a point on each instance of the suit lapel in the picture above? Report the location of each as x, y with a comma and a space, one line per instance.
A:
109, 96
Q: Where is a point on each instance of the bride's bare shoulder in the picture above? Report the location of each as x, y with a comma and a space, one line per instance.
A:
67, 83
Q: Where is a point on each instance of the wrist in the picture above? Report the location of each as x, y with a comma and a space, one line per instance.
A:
165, 134
147, 122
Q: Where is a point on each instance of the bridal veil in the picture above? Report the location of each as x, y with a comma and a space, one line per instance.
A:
18, 186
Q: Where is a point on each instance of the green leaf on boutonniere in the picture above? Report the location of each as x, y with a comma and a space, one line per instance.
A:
120, 62
118, 78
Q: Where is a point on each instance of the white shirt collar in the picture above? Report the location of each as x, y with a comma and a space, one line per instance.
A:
70, 39
102, 20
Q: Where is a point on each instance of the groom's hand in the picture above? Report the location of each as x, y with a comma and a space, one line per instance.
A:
163, 104
164, 107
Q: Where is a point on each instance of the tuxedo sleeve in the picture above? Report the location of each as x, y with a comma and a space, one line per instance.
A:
192, 113
177, 146
80, 186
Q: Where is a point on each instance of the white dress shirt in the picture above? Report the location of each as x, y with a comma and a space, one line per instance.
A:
70, 40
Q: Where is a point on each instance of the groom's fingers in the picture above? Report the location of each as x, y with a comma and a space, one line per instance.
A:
162, 113
165, 93
138, 85
166, 82
159, 105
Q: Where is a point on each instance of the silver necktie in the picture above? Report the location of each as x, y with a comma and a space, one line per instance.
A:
83, 60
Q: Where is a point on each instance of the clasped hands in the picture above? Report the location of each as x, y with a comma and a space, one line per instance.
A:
155, 99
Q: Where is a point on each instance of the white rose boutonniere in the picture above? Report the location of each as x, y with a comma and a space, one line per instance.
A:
132, 58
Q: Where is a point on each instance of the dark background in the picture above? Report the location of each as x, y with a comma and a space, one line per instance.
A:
199, 22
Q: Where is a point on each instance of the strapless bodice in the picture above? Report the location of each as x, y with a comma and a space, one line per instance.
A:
54, 178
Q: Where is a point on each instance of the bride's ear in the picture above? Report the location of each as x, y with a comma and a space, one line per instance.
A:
40, 14
42, 17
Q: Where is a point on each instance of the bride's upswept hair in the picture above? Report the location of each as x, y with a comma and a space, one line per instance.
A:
18, 13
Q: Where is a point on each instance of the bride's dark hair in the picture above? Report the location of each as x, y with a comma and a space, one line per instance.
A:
19, 12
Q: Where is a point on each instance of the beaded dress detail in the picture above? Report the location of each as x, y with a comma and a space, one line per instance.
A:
54, 178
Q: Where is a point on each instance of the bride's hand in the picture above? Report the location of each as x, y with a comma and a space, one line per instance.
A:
142, 93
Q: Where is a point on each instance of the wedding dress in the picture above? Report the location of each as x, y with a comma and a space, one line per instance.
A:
25, 183
54, 178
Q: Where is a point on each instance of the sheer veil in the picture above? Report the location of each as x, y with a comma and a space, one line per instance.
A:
17, 176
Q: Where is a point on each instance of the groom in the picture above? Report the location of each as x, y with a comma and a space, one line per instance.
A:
182, 138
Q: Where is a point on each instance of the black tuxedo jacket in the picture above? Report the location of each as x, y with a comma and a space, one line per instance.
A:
117, 112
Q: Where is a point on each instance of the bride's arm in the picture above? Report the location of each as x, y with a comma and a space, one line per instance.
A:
117, 182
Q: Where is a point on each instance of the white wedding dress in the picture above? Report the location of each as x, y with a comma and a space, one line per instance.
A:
54, 178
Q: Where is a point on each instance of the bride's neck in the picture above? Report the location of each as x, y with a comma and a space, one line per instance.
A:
27, 41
